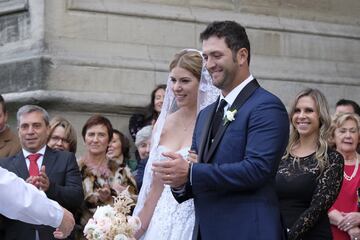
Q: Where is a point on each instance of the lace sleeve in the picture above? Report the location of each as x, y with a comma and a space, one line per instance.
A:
326, 192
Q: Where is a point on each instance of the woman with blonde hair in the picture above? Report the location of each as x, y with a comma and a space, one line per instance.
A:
310, 174
344, 215
62, 135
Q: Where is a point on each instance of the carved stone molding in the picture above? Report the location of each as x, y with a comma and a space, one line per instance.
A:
203, 15
78, 101
13, 6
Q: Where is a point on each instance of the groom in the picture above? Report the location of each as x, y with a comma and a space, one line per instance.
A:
239, 141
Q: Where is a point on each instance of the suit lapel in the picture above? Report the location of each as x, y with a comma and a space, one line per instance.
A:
241, 98
204, 139
20, 167
49, 160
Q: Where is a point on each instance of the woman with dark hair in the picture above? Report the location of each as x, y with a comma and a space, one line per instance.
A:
97, 176
119, 149
62, 135
118, 155
152, 111
310, 174
157, 99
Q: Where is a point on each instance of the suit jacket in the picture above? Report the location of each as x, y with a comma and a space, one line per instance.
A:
9, 143
65, 188
233, 183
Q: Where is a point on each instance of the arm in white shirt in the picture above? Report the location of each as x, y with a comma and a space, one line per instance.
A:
24, 202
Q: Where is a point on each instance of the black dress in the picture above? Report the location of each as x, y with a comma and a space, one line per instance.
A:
306, 194
137, 121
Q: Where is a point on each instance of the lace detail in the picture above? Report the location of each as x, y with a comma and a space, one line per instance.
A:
302, 184
171, 220
294, 168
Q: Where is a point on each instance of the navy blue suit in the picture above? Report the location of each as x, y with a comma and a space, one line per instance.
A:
233, 185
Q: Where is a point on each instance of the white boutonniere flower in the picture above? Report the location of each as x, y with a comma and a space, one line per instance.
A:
229, 116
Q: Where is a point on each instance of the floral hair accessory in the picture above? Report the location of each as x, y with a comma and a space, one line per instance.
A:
229, 116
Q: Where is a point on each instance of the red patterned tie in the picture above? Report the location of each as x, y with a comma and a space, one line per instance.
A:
33, 168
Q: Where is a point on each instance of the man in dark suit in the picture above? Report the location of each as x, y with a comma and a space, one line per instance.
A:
56, 173
239, 141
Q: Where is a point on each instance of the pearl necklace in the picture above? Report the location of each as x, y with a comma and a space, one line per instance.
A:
349, 178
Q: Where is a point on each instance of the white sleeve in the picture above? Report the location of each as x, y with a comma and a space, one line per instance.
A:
22, 201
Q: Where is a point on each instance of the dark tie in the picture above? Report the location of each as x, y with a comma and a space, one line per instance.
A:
33, 167
218, 118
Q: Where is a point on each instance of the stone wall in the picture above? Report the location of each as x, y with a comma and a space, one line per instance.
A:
77, 57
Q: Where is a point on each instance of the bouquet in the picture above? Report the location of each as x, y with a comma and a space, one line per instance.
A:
113, 222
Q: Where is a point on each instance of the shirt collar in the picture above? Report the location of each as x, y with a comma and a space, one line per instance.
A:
41, 151
230, 98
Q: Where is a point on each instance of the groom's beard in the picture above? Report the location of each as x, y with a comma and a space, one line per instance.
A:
223, 77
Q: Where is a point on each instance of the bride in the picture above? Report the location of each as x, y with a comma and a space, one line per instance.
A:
189, 89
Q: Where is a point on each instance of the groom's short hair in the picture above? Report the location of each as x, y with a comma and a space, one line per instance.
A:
234, 34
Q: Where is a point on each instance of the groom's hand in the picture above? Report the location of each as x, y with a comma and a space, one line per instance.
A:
174, 171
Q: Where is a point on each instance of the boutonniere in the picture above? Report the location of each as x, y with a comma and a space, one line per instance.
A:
229, 116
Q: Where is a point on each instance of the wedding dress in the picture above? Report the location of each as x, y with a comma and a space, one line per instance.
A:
171, 220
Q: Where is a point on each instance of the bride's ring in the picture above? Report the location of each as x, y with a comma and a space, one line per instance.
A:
348, 224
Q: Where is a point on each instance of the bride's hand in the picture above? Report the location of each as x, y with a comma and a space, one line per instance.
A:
192, 156
139, 233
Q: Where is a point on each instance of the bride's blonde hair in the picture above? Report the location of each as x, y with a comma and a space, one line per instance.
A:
189, 60
325, 121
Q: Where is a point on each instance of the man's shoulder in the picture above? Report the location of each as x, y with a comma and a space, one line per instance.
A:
9, 143
8, 135
264, 97
267, 95
59, 154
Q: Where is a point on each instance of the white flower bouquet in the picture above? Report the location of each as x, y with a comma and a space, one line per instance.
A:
113, 222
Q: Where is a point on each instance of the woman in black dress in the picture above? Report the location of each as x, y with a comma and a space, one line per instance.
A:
310, 174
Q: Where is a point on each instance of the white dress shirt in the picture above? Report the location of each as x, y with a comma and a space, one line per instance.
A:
22, 201
39, 163
230, 98
40, 159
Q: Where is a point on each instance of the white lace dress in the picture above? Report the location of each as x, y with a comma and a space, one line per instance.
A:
171, 220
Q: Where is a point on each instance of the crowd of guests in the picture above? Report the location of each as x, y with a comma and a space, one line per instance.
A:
317, 182
79, 184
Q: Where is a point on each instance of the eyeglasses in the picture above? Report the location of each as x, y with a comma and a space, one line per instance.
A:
58, 139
